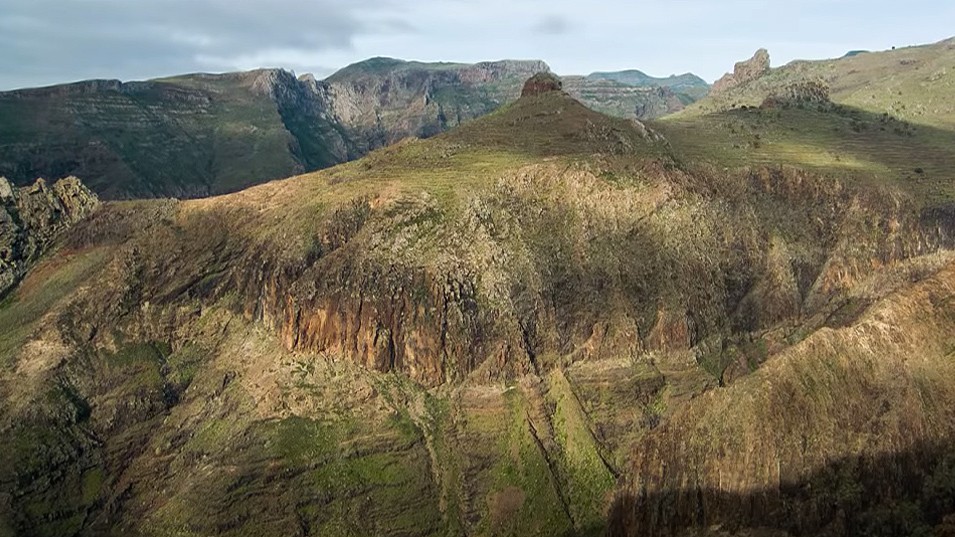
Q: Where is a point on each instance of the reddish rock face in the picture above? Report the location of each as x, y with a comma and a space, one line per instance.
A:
541, 83
744, 72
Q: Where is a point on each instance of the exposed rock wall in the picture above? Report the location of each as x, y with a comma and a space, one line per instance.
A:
381, 101
618, 99
743, 72
32, 217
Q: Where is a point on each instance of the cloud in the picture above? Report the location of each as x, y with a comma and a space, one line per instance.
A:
48, 41
53, 41
552, 25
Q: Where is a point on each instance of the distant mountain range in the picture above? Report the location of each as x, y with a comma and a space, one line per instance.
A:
200, 134
687, 83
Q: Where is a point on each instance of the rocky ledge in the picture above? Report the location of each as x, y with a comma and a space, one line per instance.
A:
32, 217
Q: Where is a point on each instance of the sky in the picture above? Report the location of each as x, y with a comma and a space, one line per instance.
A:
45, 42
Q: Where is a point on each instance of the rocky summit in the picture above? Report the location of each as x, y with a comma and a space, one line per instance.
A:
541, 83
732, 321
744, 71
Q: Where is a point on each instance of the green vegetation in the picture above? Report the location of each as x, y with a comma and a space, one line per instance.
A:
181, 137
48, 283
525, 326
849, 144
380, 65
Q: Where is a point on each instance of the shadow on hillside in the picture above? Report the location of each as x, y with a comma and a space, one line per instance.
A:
910, 493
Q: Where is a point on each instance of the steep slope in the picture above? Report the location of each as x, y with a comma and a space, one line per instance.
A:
623, 100
881, 117
476, 334
911, 84
383, 100
848, 432
190, 136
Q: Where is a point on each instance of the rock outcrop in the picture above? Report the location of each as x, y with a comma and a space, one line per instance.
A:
541, 83
805, 94
743, 72
32, 217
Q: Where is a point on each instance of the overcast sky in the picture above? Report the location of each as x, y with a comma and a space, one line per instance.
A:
52, 41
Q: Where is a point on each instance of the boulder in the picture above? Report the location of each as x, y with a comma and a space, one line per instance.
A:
6, 189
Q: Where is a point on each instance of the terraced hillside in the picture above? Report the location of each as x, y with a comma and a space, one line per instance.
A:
184, 137
691, 86
622, 100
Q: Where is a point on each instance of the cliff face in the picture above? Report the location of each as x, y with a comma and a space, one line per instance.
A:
31, 218
381, 101
190, 136
622, 100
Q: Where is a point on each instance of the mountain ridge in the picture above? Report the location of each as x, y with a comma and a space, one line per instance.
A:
508, 328
201, 134
734, 320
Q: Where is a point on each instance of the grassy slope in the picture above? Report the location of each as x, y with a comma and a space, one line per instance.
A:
894, 123
574, 205
848, 432
364, 453
912, 84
